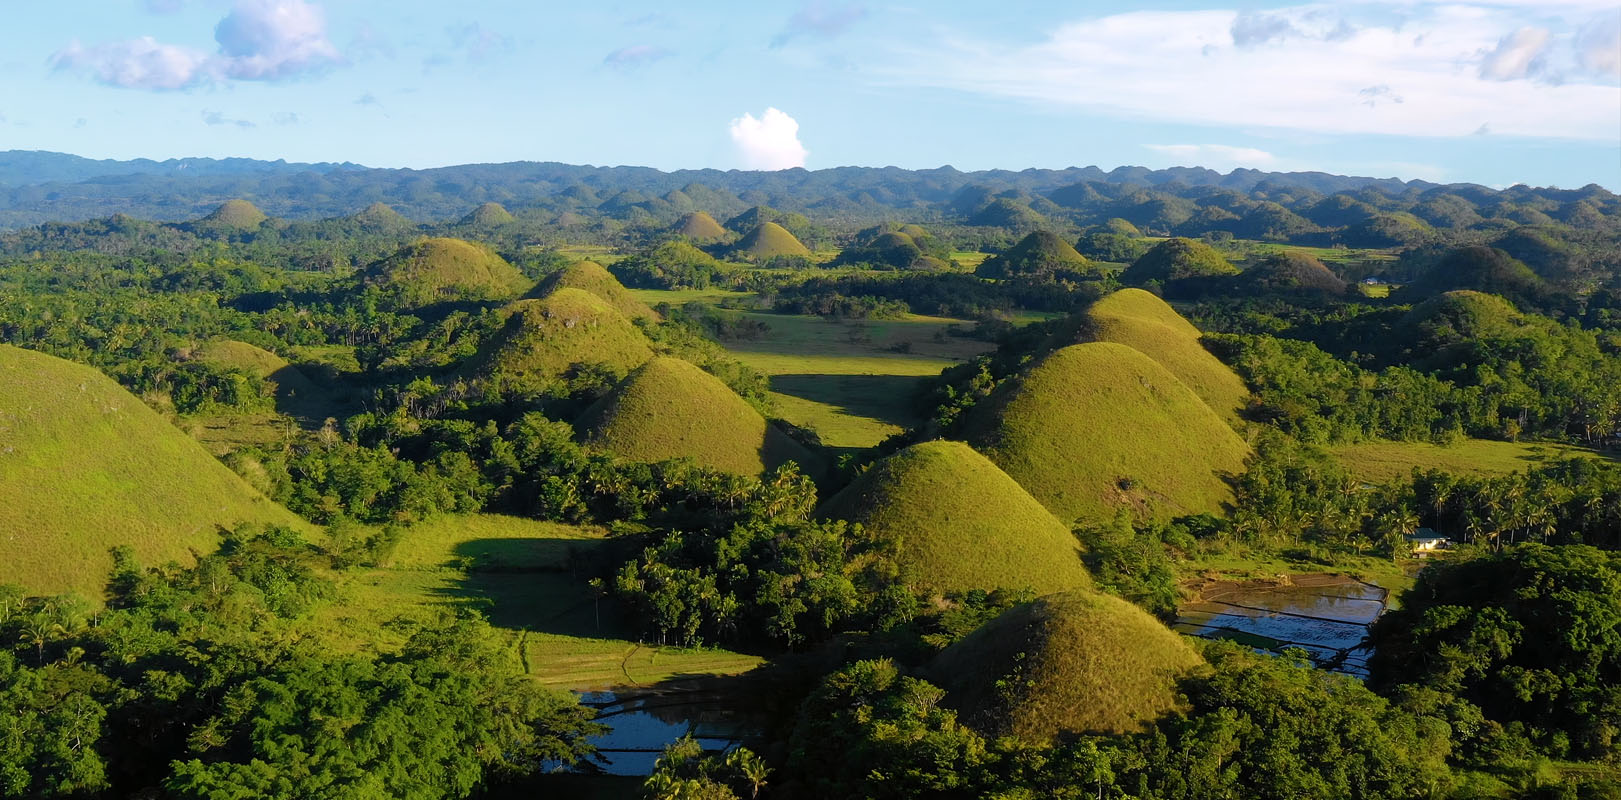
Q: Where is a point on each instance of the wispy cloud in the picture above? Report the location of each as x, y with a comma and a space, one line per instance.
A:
820, 19
479, 43
1518, 55
219, 118
636, 55
769, 142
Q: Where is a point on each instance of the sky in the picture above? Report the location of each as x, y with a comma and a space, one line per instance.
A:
1495, 92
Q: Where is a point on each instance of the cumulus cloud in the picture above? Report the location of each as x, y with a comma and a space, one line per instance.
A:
1187, 67
770, 142
636, 55
1214, 156
820, 19
1517, 55
259, 40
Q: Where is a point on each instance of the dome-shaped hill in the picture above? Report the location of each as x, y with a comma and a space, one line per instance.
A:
1485, 269
594, 278
1040, 253
236, 214
436, 270
699, 227
961, 522
1076, 662
489, 215
1147, 324
1293, 272
1094, 428
1445, 329
669, 408
381, 217
1176, 259
769, 240
296, 394
86, 466
917, 232
1006, 213
543, 339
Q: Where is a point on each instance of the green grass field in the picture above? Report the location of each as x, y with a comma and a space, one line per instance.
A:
1383, 461
526, 576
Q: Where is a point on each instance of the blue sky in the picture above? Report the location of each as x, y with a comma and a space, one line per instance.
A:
1491, 91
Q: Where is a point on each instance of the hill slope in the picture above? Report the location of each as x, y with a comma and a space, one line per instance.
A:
961, 522
1040, 253
435, 270
767, 241
296, 394
542, 339
669, 408
239, 214
85, 466
489, 215
1077, 662
594, 278
1094, 428
1145, 323
699, 227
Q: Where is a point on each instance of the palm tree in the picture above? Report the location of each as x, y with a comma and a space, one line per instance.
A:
751, 766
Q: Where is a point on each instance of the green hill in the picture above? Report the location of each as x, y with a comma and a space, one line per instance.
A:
1485, 269
961, 523
1292, 272
1077, 662
1041, 253
699, 227
669, 408
1145, 323
1176, 259
434, 270
85, 466
236, 214
543, 339
296, 394
594, 278
489, 215
381, 217
767, 241
1099, 427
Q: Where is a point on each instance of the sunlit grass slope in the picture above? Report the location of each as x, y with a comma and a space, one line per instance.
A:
236, 214
1175, 259
669, 408
961, 522
768, 240
1384, 461
1098, 427
543, 339
1145, 323
489, 215
85, 466
592, 277
1077, 662
699, 227
437, 269
296, 394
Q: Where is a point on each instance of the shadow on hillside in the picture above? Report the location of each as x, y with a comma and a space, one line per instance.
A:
886, 398
539, 585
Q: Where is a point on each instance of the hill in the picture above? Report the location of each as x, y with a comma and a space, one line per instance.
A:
961, 523
1177, 259
239, 214
489, 215
85, 466
669, 408
1076, 662
543, 339
1145, 323
1484, 269
594, 278
699, 227
434, 270
1039, 254
1292, 272
296, 394
769, 240
1099, 427
381, 217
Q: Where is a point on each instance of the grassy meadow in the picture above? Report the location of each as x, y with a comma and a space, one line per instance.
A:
1383, 461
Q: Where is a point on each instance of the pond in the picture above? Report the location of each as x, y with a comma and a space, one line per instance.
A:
1327, 616
643, 724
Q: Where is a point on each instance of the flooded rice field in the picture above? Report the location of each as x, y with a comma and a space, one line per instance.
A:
1327, 616
643, 724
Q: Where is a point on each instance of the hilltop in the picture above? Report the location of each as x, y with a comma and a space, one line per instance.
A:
1099, 427
1177, 259
543, 339
1077, 662
699, 227
1039, 254
768, 241
381, 217
296, 394
489, 215
239, 214
1145, 323
668, 408
1292, 272
960, 522
594, 278
86, 466
434, 270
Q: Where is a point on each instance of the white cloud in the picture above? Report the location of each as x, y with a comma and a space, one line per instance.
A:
1219, 157
1188, 67
768, 143
1598, 47
1517, 55
635, 56
258, 40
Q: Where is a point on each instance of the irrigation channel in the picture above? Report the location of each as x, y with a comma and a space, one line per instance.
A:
1327, 616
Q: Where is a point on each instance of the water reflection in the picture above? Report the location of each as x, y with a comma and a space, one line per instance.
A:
643, 725
1326, 616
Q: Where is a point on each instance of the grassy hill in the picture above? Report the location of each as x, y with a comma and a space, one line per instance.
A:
1293, 272
542, 339
961, 522
769, 240
594, 278
669, 408
381, 217
699, 227
1145, 323
1040, 253
1176, 259
1077, 662
296, 394
433, 270
85, 466
489, 215
1099, 427
239, 214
